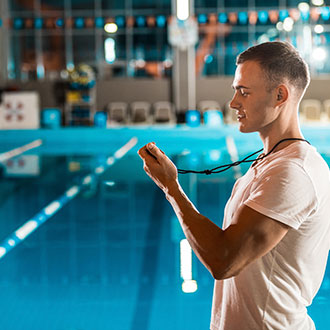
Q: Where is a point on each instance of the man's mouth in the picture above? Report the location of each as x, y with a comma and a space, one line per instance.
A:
240, 116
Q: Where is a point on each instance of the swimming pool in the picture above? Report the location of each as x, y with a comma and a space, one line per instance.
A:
109, 257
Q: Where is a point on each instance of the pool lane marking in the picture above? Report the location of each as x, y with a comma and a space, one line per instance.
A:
18, 151
232, 150
51, 209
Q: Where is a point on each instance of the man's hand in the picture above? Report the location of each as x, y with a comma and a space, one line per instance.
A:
158, 166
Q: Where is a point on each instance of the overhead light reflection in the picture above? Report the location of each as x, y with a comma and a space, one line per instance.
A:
319, 54
318, 2
279, 26
109, 183
303, 7
288, 24
318, 28
188, 285
182, 9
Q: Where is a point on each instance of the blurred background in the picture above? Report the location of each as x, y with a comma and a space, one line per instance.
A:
121, 46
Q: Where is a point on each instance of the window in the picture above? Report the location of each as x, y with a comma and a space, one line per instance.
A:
48, 35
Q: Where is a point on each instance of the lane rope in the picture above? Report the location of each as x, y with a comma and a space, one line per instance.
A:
52, 208
18, 151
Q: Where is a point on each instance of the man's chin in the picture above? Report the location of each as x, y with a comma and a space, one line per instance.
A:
244, 129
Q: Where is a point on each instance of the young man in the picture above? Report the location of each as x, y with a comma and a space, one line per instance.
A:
269, 258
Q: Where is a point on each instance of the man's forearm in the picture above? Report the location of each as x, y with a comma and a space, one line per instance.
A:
206, 239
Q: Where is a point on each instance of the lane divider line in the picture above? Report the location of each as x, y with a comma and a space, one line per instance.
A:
18, 151
52, 208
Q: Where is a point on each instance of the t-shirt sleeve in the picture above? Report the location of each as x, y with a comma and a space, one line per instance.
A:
284, 193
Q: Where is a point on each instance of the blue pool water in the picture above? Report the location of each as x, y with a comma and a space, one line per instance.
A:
110, 258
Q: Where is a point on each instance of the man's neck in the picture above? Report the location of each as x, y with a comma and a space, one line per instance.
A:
291, 129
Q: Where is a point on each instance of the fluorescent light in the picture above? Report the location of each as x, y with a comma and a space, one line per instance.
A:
182, 9
109, 49
26, 229
110, 27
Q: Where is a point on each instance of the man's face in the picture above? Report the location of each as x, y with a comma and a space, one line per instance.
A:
253, 103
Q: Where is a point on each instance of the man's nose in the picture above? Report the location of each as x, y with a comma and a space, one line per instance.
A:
234, 104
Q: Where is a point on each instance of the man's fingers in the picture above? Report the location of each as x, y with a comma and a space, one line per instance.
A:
149, 153
140, 152
143, 153
151, 149
146, 155
157, 165
154, 150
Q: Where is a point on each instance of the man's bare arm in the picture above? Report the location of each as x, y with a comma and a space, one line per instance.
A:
223, 252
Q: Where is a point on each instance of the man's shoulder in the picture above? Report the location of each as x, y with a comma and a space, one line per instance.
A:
294, 162
299, 154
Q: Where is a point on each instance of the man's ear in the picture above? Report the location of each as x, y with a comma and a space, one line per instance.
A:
282, 94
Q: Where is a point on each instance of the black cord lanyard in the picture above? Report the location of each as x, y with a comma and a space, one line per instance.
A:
223, 168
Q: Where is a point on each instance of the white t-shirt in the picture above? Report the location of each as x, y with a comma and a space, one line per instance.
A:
292, 186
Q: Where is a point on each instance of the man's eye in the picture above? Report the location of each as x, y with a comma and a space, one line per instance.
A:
243, 93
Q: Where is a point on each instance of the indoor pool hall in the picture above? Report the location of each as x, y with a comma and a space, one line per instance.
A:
230, 91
